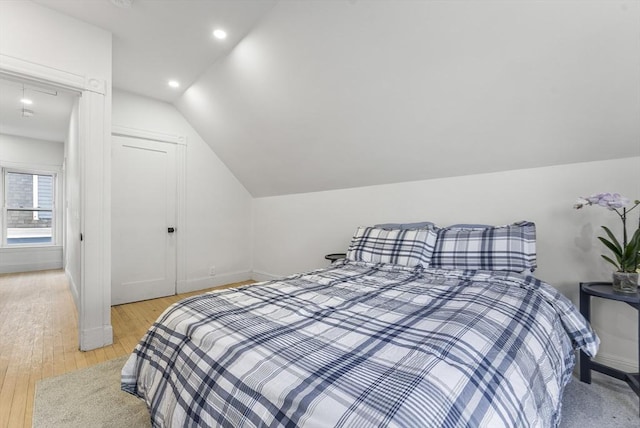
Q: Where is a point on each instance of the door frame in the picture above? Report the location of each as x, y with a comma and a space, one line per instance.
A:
180, 143
93, 299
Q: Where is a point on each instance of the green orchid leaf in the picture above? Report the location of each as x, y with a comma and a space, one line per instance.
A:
633, 252
634, 244
614, 249
613, 239
629, 251
610, 261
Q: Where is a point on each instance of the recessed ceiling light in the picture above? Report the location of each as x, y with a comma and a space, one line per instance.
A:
174, 83
26, 101
220, 34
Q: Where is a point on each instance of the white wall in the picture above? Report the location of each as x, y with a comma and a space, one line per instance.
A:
218, 207
47, 156
59, 49
30, 152
293, 233
40, 35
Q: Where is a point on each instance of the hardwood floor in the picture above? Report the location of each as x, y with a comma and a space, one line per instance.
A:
39, 336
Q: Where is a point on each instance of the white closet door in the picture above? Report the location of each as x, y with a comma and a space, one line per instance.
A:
143, 216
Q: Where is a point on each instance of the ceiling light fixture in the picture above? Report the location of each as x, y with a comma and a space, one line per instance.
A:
25, 102
174, 83
220, 34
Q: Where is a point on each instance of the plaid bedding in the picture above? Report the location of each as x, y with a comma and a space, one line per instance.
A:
360, 345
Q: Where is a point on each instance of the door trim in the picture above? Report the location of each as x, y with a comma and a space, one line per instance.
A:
94, 285
181, 185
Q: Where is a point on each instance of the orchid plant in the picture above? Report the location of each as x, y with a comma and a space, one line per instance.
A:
627, 253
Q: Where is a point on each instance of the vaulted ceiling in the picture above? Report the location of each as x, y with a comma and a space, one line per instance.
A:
315, 95
157, 41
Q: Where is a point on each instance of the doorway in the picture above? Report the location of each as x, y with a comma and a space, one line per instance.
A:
35, 126
93, 276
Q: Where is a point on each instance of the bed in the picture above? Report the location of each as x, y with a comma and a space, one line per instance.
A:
386, 337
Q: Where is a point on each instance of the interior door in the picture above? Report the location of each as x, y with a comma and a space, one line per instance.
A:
143, 219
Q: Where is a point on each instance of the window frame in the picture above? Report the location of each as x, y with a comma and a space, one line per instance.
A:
56, 214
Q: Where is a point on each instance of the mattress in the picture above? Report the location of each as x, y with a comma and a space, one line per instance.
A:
359, 345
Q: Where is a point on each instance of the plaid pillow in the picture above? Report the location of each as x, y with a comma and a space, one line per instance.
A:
405, 247
510, 248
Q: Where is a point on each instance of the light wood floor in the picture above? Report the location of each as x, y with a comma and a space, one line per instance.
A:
39, 336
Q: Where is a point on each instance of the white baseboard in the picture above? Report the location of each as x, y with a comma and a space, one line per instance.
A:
257, 275
30, 267
212, 281
617, 362
30, 259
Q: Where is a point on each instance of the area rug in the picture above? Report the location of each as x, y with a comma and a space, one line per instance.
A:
92, 397
606, 402
88, 397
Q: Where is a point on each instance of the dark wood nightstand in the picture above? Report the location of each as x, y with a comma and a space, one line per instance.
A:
604, 290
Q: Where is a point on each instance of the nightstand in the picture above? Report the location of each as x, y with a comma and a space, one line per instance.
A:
605, 291
335, 256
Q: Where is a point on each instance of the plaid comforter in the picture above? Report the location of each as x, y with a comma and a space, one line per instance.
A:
361, 345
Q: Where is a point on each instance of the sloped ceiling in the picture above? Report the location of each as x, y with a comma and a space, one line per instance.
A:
327, 95
155, 41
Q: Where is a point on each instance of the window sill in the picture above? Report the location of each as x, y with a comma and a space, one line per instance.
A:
27, 247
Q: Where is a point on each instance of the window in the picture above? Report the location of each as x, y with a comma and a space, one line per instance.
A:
29, 208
